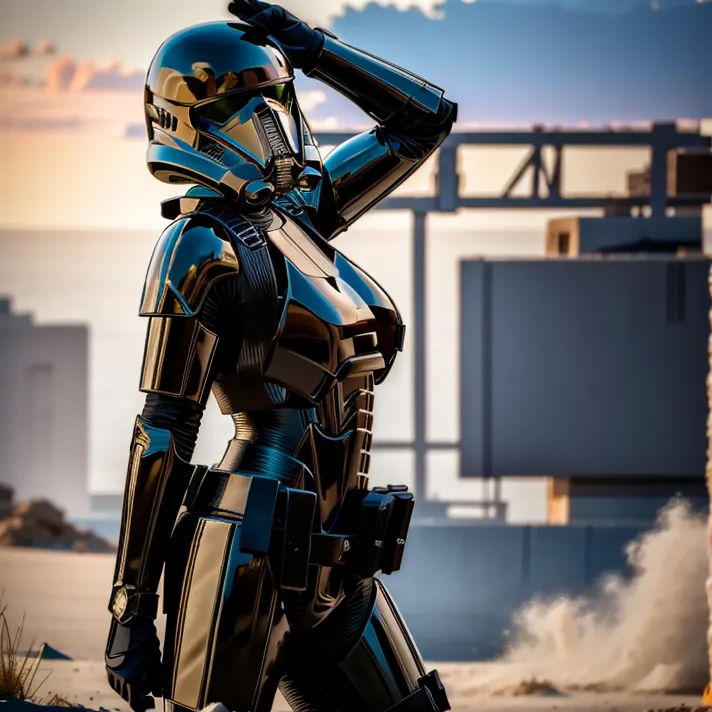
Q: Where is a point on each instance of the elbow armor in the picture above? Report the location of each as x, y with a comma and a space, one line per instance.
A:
413, 119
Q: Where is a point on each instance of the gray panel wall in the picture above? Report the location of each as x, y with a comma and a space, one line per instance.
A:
460, 585
43, 412
584, 367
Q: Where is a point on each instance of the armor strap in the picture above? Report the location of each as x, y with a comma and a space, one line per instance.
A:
126, 604
259, 299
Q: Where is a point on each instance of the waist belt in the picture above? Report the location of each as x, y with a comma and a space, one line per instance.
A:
281, 521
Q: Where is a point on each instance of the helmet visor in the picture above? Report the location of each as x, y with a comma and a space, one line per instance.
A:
222, 110
264, 122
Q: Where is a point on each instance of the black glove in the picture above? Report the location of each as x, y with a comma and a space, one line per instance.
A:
133, 662
297, 40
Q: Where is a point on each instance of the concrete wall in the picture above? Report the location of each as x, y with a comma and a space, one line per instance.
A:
43, 410
460, 585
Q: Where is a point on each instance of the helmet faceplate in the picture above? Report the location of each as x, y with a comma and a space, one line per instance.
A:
221, 111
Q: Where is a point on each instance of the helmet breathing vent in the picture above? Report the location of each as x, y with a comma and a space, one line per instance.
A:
283, 174
214, 151
274, 135
168, 121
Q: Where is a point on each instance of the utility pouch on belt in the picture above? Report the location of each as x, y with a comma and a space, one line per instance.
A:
371, 529
281, 522
398, 525
382, 523
299, 507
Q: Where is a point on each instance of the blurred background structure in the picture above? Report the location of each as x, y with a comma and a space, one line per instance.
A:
551, 397
44, 381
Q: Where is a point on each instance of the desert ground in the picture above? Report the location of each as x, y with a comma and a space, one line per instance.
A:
63, 597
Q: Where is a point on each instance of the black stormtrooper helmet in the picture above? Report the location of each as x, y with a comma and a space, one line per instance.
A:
222, 112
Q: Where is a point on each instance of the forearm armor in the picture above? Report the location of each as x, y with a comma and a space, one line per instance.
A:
156, 482
413, 119
383, 90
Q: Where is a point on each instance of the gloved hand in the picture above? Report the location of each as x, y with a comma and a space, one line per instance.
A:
133, 662
296, 39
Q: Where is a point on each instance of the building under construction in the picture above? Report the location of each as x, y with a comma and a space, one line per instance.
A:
587, 367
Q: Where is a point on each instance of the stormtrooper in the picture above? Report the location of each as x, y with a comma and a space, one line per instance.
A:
269, 558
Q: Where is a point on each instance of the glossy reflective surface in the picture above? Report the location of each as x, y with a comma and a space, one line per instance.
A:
233, 58
221, 112
189, 257
251, 299
155, 483
179, 356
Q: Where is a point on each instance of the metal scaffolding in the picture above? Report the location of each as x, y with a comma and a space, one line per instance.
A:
662, 139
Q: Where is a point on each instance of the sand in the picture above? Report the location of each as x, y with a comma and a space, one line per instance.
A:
64, 596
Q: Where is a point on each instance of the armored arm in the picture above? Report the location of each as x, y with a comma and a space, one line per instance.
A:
413, 119
191, 258
187, 279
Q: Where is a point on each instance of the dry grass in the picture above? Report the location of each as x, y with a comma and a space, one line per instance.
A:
18, 671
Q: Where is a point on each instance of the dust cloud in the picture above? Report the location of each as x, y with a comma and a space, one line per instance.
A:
645, 633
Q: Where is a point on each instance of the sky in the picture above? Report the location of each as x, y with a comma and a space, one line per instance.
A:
72, 151
72, 72
503, 61
129, 30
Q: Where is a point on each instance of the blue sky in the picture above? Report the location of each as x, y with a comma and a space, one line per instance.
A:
539, 62
507, 61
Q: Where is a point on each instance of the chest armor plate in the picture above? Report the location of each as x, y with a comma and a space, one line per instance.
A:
329, 323
336, 321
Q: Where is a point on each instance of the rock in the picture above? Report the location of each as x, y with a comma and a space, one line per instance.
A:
6, 495
39, 510
39, 524
531, 687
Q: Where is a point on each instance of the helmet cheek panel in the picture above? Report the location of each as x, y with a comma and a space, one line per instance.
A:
244, 133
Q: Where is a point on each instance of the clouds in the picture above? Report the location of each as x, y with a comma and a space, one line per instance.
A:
59, 74
67, 75
15, 49
324, 13
71, 96
33, 108
21, 48
21, 64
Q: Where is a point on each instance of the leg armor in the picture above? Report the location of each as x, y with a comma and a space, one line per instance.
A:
226, 630
362, 659
238, 580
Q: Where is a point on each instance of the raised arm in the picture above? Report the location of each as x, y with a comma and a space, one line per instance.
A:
190, 260
413, 117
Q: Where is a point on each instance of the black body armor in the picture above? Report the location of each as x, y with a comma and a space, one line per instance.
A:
269, 557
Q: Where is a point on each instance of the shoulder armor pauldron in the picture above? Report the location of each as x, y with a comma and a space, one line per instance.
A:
190, 256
